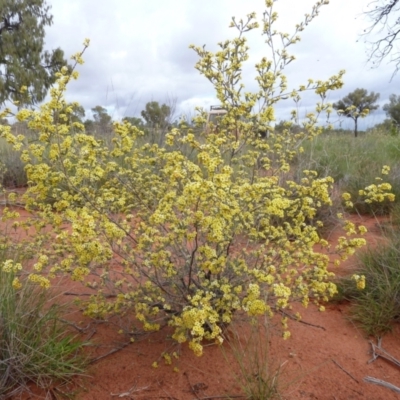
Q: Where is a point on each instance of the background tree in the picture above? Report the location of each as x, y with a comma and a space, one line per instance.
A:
102, 119
90, 126
357, 104
23, 62
101, 122
156, 115
392, 109
158, 119
387, 126
78, 113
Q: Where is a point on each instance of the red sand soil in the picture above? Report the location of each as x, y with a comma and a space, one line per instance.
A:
327, 358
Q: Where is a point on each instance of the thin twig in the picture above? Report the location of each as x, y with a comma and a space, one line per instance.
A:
94, 331
76, 294
129, 392
222, 397
168, 396
81, 330
299, 320
193, 390
192, 257
109, 353
107, 296
78, 328
9, 204
348, 373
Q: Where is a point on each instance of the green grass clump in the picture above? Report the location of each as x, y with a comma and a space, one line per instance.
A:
34, 345
376, 307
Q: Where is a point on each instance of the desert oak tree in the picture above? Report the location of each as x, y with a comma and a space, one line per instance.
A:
156, 115
26, 69
392, 109
357, 104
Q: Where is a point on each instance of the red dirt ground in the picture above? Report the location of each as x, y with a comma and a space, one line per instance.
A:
326, 359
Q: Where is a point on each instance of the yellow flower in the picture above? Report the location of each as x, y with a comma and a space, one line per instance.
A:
346, 196
362, 229
167, 359
286, 335
16, 284
360, 280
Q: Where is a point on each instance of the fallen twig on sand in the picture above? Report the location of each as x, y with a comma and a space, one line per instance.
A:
109, 353
346, 372
379, 382
377, 351
78, 328
222, 397
294, 318
129, 392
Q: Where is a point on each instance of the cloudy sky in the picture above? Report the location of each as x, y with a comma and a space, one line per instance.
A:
139, 51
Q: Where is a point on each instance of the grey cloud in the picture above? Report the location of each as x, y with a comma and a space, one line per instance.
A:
139, 50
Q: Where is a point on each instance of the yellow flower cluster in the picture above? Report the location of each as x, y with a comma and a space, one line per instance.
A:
360, 280
40, 280
377, 193
11, 267
16, 283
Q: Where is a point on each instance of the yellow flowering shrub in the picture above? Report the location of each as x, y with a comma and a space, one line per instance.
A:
189, 233
376, 198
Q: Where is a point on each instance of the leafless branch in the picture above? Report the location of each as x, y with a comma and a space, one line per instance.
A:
384, 20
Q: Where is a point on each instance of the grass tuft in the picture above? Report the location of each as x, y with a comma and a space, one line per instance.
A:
376, 307
34, 345
259, 376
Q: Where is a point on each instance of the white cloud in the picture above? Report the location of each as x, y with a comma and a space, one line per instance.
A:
139, 49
